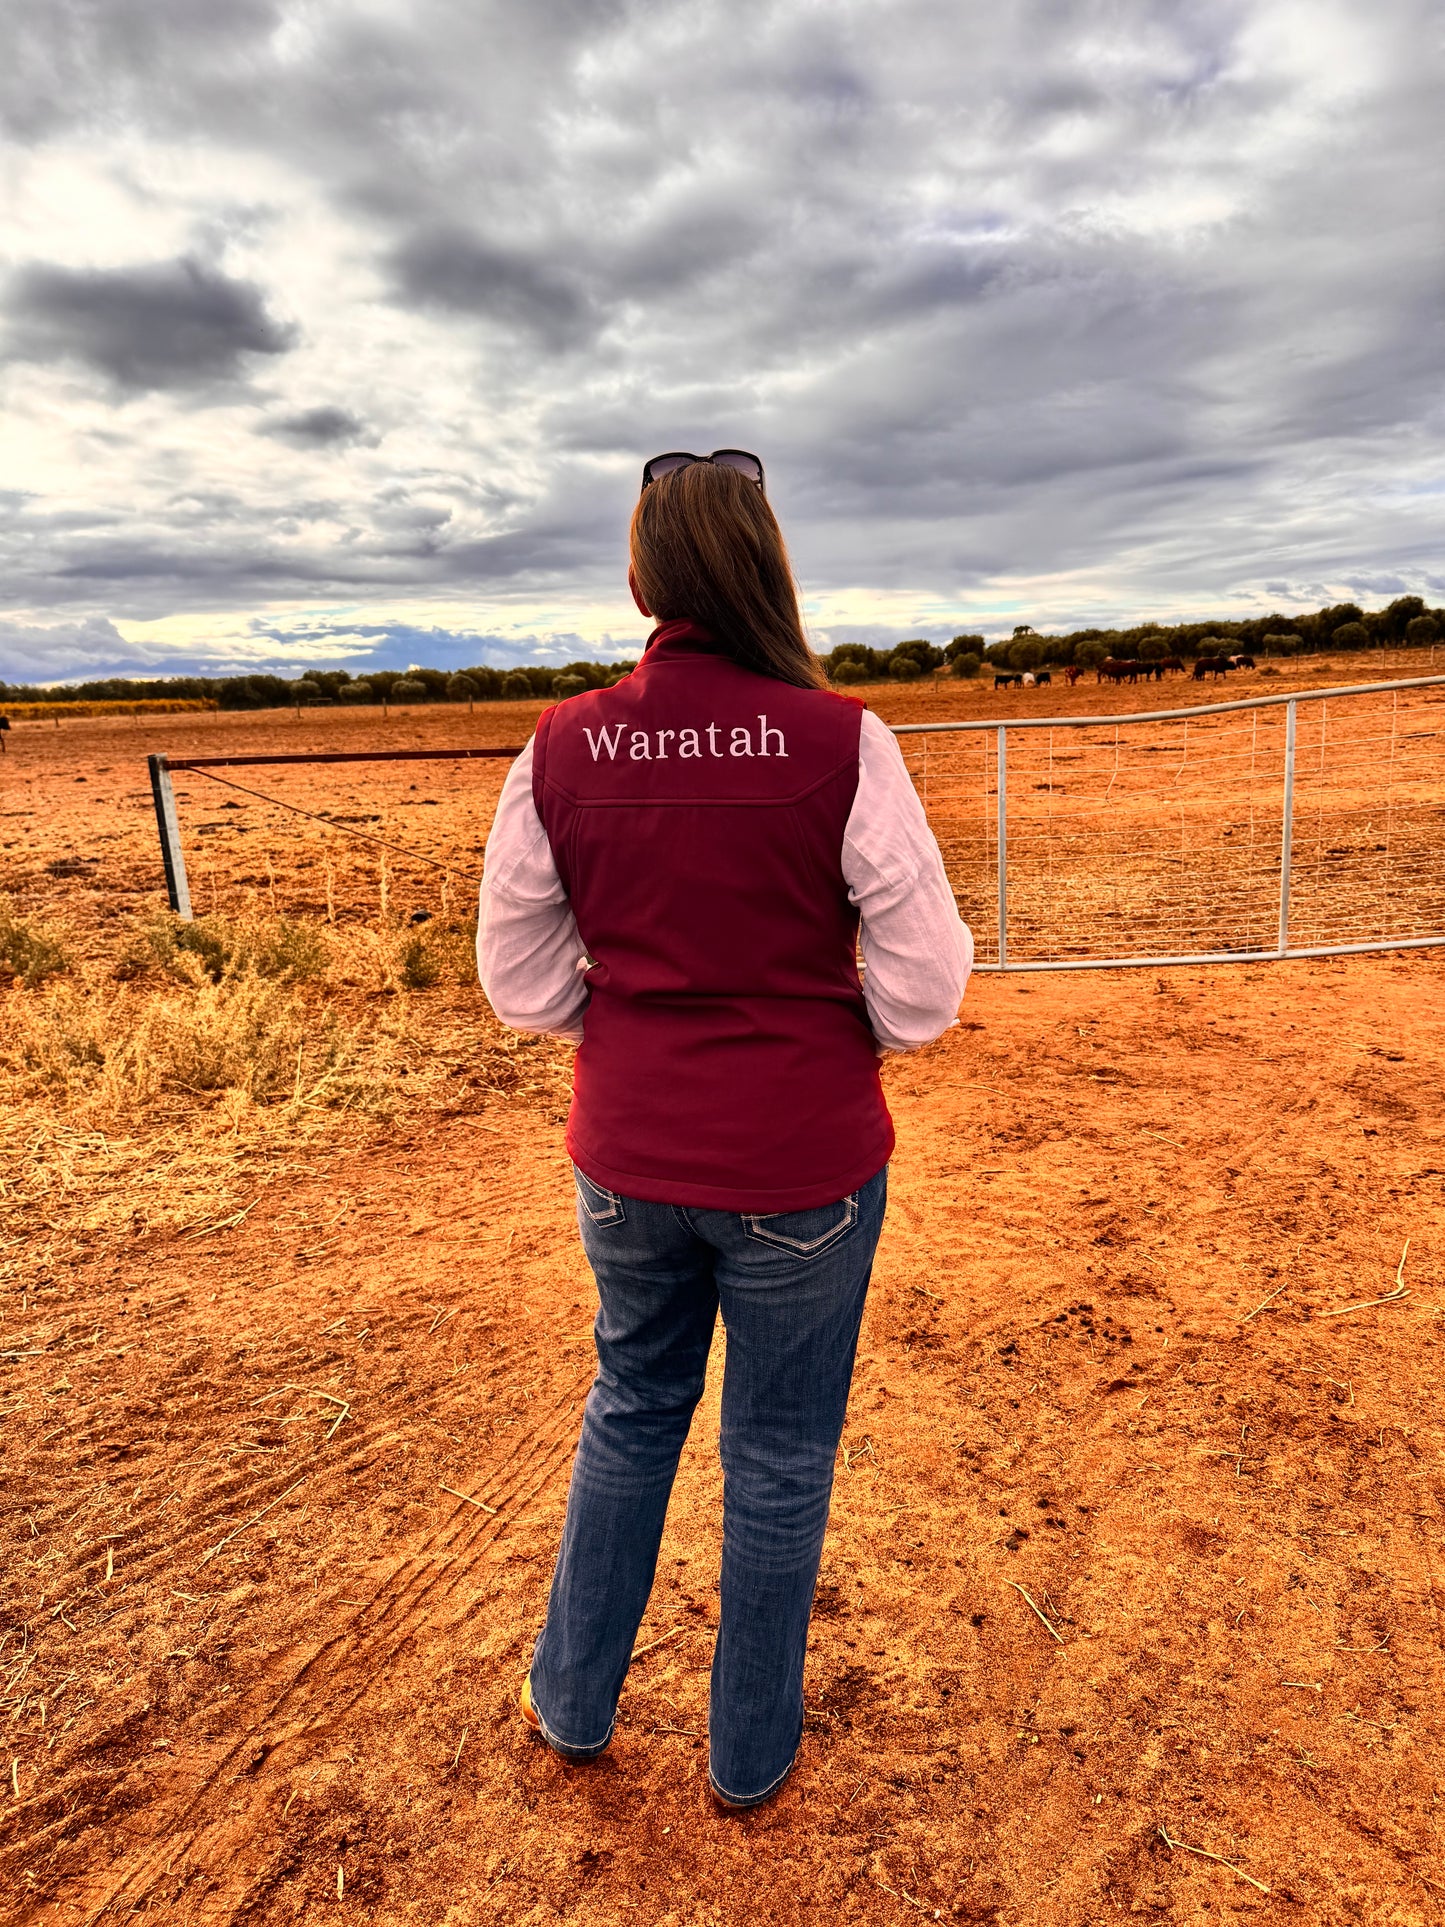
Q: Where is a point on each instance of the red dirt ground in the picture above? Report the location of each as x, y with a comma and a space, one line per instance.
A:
261, 1666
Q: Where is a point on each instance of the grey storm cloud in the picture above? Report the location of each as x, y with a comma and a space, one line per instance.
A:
449, 269
159, 325
35, 652
325, 426
1052, 311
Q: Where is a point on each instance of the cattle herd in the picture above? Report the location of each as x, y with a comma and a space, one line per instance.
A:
1118, 669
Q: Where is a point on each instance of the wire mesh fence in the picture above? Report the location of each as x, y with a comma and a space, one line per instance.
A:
337, 835
1274, 827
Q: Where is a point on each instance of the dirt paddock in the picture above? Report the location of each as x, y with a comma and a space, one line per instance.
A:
1131, 1601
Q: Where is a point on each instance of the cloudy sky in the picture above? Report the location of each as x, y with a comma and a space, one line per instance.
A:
336, 331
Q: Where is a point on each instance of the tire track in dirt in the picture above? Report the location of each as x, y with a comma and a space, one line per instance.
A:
502, 1490
434, 1582
429, 1591
219, 1499
219, 1496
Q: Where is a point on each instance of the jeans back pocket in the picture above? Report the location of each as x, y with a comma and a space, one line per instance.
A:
804, 1234
601, 1205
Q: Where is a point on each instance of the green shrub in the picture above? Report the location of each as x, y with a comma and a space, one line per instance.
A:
967, 664
357, 692
28, 953
849, 671
1350, 635
1027, 652
408, 690
904, 668
461, 689
516, 686
566, 686
1282, 645
922, 652
1421, 631
964, 646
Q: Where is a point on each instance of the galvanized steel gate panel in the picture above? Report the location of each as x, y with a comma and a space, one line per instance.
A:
1281, 826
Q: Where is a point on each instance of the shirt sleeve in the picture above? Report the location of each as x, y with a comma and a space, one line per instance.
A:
917, 951
530, 958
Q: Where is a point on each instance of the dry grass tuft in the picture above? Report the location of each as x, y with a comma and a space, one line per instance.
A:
388, 957
225, 948
161, 1083
29, 952
113, 1054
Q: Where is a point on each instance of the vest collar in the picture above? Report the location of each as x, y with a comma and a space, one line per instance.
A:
680, 637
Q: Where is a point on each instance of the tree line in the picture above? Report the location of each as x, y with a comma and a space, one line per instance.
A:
1404, 623
328, 686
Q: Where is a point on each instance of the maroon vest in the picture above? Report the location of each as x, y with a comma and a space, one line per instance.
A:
696, 814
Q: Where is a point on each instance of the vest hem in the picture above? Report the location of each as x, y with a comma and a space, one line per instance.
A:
752, 1201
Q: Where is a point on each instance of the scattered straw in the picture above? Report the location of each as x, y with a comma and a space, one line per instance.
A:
902, 1893
222, 1224
1278, 1288
468, 1497
309, 1392
1038, 1614
1183, 1846
1390, 1297
460, 1744
653, 1644
248, 1523
1265, 1305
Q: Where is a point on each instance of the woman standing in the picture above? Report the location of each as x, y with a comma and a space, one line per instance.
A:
681, 872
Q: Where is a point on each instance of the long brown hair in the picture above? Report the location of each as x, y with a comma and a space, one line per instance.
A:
706, 546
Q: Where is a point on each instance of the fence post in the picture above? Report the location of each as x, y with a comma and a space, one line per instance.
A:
1286, 833
178, 890
1002, 847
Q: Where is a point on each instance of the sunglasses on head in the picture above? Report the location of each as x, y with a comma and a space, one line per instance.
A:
737, 458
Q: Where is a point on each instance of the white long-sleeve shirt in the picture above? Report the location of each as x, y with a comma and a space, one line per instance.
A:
917, 952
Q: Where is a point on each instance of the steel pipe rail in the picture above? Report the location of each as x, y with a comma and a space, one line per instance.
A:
1171, 715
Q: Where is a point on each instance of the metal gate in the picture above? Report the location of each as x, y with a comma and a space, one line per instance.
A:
1282, 826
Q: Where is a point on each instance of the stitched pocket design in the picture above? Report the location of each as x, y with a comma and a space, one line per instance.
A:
602, 1206
804, 1234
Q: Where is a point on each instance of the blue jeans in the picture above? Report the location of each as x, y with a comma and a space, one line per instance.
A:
791, 1288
